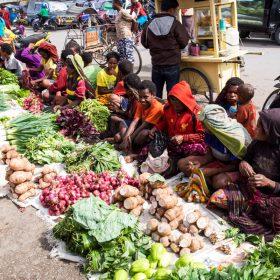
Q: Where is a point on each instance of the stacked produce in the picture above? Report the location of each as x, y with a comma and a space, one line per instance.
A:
48, 146
108, 238
96, 112
8, 152
24, 127
3, 103
33, 103
65, 191
7, 77
19, 174
47, 177
128, 199
77, 126
99, 157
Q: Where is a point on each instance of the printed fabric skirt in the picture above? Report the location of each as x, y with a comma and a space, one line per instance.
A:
125, 49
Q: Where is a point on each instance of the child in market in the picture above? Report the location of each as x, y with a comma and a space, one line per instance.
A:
228, 98
247, 113
75, 88
148, 114
9, 61
106, 78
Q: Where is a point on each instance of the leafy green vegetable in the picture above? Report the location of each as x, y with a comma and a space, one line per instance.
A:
96, 112
3, 103
99, 157
47, 147
7, 77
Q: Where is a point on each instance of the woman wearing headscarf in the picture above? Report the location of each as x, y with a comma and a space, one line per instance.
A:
227, 141
254, 204
75, 91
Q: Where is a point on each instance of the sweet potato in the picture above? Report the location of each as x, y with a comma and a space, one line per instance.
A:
28, 194
19, 177
174, 224
17, 164
12, 154
137, 211
183, 228
47, 169
193, 230
48, 178
24, 187
175, 248
130, 203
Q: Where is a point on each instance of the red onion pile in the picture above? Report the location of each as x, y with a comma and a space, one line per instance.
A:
33, 103
67, 190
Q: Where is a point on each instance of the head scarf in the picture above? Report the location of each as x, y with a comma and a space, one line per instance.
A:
270, 120
231, 133
78, 63
46, 46
183, 92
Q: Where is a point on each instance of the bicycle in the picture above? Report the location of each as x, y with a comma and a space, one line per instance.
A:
273, 100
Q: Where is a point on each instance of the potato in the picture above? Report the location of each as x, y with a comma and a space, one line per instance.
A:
12, 154
29, 167
47, 169
130, 203
28, 194
19, 177
17, 164
6, 148
143, 178
24, 187
48, 178
43, 185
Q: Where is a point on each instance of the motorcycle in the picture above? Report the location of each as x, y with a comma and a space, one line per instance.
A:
36, 39
273, 100
49, 24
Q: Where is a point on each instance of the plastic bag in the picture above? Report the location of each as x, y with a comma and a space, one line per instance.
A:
158, 145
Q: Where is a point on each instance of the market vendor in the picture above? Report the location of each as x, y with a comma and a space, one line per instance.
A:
254, 202
75, 88
49, 55
227, 140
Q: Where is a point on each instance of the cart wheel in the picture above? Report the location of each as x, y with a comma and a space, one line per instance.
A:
199, 84
272, 101
277, 36
137, 60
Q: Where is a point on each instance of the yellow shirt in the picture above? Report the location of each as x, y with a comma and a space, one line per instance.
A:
107, 81
48, 65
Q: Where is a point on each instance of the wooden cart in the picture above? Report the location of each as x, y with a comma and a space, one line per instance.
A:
219, 60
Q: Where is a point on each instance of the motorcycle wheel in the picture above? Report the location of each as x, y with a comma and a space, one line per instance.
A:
35, 27
53, 25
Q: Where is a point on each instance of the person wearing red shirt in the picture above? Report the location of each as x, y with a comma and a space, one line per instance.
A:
140, 13
181, 124
5, 15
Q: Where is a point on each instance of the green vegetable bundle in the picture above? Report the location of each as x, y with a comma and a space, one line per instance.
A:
107, 237
3, 104
7, 77
24, 127
99, 157
97, 113
47, 147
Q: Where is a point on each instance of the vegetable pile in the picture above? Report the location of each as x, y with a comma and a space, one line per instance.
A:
7, 77
47, 147
99, 157
3, 103
46, 178
107, 237
33, 103
24, 127
76, 125
65, 191
97, 113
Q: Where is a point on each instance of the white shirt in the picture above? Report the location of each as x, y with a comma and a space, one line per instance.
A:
13, 65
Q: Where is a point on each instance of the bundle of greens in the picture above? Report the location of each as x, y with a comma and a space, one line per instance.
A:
99, 157
261, 264
7, 77
96, 112
107, 237
3, 103
47, 147
26, 126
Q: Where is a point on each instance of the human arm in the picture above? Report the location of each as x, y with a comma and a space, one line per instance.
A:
211, 171
144, 125
260, 181
144, 37
246, 169
181, 35
103, 90
125, 145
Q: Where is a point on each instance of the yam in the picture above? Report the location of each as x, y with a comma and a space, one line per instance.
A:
47, 169
175, 248
193, 217
143, 178
173, 238
19, 177
152, 224
193, 230
130, 203
185, 240
164, 229
48, 178
167, 191
165, 241
12, 154
137, 211
161, 211
168, 202
185, 251
152, 199
155, 236
202, 222
183, 228
117, 196
174, 224
128, 191
24, 187
26, 195
17, 164
164, 220
173, 213
195, 245
155, 204
152, 211
208, 230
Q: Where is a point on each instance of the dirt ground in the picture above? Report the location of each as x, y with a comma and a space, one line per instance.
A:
24, 249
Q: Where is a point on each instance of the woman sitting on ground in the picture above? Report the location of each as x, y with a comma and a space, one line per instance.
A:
49, 56
254, 204
75, 88
227, 140
228, 98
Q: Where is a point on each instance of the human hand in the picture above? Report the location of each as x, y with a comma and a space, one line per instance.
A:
259, 181
58, 93
191, 165
152, 133
177, 140
30, 46
125, 145
112, 71
56, 108
246, 169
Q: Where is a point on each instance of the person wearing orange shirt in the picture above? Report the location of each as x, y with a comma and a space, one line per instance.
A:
148, 114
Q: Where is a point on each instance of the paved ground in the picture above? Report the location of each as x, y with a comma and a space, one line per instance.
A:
24, 251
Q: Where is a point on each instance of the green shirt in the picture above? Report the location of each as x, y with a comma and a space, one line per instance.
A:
44, 12
91, 72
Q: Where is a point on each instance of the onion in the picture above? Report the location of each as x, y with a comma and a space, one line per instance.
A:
45, 191
41, 198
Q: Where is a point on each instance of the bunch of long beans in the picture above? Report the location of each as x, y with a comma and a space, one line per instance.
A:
22, 128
